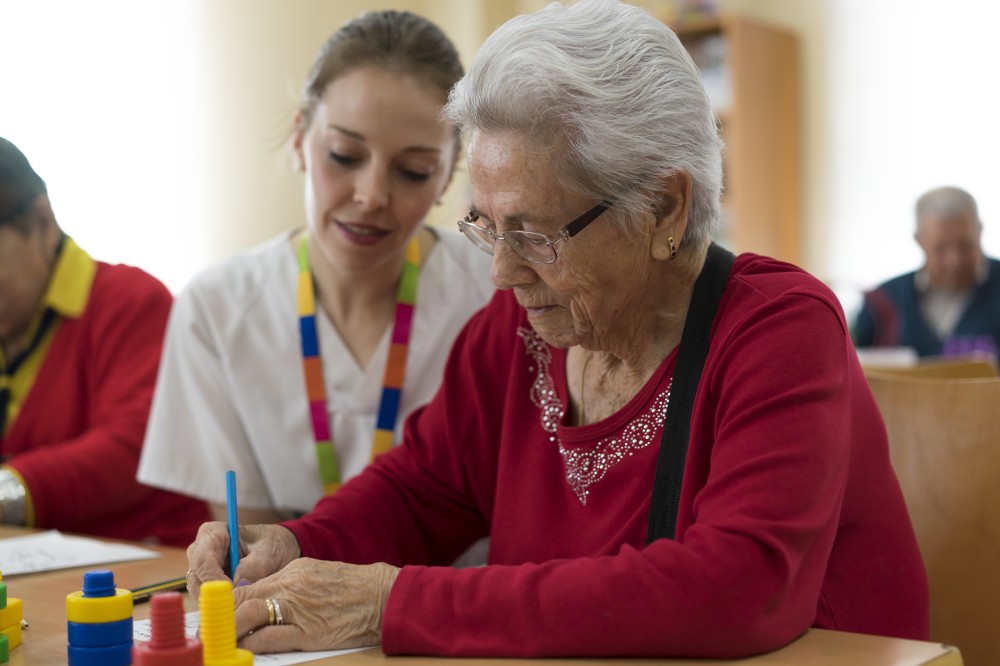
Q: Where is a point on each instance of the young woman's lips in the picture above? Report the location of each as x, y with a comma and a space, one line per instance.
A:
361, 234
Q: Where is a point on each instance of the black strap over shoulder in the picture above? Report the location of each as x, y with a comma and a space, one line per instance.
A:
687, 373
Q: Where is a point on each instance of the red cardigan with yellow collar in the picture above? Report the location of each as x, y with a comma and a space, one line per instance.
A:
78, 434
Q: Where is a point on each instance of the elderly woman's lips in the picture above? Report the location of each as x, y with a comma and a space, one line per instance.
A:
538, 309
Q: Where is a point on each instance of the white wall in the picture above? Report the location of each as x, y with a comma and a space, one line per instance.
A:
159, 124
105, 98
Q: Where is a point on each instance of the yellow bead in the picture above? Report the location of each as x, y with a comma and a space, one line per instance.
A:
381, 442
93, 610
218, 626
13, 634
12, 614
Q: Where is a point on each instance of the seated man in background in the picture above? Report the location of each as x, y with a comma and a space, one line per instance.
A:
952, 304
79, 348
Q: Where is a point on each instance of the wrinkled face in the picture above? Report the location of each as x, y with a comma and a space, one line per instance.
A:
376, 157
951, 248
25, 262
589, 294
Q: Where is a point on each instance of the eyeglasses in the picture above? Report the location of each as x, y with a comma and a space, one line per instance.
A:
533, 246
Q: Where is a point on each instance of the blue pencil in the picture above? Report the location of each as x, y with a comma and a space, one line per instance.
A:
234, 527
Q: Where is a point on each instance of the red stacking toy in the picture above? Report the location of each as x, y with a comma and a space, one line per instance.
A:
167, 646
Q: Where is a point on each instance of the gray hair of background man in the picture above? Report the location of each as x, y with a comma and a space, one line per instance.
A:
613, 91
946, 202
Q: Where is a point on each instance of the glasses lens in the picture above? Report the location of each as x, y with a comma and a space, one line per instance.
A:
533, 247
479, 236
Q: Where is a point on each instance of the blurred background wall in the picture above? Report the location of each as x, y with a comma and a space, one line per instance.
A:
161, 125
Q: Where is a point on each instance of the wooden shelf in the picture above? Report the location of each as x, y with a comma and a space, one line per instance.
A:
751, 71
695, 28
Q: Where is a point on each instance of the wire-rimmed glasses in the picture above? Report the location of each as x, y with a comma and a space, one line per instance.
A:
536, 247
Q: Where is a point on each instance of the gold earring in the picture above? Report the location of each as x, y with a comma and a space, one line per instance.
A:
673, 248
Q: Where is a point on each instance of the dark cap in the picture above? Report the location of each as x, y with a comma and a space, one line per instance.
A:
19, 184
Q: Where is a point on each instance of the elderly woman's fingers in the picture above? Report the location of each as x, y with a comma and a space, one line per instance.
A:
333, 606
252, 615
265, 549
206, 556
268, 549
273, 639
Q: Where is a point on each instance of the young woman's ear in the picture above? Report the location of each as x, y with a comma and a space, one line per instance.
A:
300, 126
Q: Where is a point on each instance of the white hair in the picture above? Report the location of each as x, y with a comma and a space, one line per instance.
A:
948, 202
613, 90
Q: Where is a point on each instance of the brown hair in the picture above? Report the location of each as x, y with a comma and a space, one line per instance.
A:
399, 42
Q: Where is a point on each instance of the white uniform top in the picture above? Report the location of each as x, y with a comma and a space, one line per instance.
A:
231, 393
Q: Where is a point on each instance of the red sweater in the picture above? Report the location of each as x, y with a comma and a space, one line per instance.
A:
790, 514
77, 437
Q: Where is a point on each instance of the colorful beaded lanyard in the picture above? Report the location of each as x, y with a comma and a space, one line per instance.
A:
395, 366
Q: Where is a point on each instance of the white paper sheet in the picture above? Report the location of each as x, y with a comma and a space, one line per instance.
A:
141, 632
52, 550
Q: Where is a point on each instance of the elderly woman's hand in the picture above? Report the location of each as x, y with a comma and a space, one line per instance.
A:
264, 550
320, 606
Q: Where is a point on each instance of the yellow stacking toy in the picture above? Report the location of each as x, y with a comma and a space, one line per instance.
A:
11, 614
99, 622
218, 626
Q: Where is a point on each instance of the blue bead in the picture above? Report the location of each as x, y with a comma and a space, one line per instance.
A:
307, 334
99, 583
99, 634
109, 655
388, 409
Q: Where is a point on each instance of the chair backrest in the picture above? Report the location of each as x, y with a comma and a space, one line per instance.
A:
942, 367
944, 440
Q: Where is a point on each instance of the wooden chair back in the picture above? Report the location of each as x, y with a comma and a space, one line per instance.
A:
942, 368
944, 439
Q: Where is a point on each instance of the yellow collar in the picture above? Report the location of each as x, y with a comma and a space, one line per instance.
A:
69, 286
68, 290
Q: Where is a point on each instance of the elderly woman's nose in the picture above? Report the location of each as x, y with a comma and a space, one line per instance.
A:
508, 270
371, 189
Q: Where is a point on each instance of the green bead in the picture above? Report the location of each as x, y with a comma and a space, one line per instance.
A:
4, 650
3, 595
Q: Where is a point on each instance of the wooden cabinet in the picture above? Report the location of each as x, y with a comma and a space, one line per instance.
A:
751, 71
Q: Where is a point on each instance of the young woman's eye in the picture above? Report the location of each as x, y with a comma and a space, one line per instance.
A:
415, 176
345, 160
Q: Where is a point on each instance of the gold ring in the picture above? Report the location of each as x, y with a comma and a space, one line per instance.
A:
189, 572
270, 611
278, 617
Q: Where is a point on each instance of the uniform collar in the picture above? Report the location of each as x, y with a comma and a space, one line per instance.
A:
69, 286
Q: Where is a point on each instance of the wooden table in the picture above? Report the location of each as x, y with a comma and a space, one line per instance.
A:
44, 597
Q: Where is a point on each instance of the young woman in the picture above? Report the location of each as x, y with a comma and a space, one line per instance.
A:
295, 363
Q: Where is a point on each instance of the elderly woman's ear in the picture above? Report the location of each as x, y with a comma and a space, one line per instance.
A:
672, 208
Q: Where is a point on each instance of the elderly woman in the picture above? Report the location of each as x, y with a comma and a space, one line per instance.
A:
596, 176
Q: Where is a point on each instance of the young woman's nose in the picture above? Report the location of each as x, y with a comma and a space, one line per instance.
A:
371, 190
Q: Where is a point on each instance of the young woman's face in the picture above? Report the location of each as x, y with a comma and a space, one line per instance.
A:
376, 156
